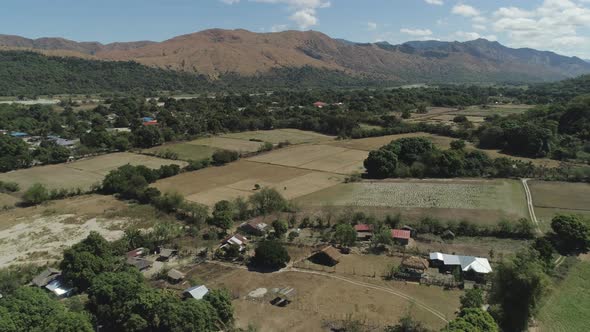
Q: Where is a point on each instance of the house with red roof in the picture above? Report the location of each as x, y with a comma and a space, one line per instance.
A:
320, 104
401, 236
364, 232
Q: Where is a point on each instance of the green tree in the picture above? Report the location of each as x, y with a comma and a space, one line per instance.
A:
36, 194
407, 324
270, 254
381, 237
223, 213
85, 260
517, 288
473, 298
169, 202
220, 300
196, 213
571, 233
458, 144
345, 235
381, 164
472, 320
222, 157
268, 201
280, 227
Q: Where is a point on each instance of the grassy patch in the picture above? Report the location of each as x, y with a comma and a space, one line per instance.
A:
184, 151
568, 307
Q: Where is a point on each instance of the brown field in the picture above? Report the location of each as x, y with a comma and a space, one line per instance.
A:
552, 198
372, 143
239, 145
323, 298
7, 200
82, 173
238, 179
294, 136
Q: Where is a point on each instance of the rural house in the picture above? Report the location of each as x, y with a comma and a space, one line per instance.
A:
236, 240
166, 254
140, 263
413, 267
320, 104
255, 227
471, 267
48, 275
364, 232
400, 236
58, 288
138, 252
175, 276
195, 292
329, 256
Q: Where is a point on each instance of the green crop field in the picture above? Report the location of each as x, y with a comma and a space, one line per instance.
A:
568, 308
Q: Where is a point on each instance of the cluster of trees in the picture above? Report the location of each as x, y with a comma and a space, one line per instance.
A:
418, 157
132, 182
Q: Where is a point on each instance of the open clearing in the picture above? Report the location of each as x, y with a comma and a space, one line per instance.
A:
552, 198
477, 200
321, 298
233, 144
82, 173
567, 309
39, 234
7, 200
185, 151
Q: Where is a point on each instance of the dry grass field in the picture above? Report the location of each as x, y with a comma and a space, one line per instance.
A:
82, 173
321, 298
234, 144
7, 200
294, 136
372, 143
483, 201
552, 198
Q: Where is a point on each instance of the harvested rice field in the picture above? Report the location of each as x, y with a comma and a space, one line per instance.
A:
239, 145
485, 200
293, 136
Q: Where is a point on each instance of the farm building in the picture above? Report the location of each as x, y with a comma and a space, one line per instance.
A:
196, 292
175, 276
58, 288
327, 256
140, 263
400, 236
319, 104
471, 267
413, 267
236, 240
138, 252
166, 254
48, 275
255, 227
364, 232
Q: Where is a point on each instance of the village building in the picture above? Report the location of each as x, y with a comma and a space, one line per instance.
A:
364, 232
320, 104
166, 254
474, 268
401, 237
195, 292
175, 276
413, 267
137, 252
59, 288
329, 256
234, 240
140, 263
44, 278
255, 227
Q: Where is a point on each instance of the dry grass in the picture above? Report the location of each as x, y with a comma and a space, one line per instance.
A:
294, 136
552, 198
83, 173
7, 200
372, 143
233, 144
320, 299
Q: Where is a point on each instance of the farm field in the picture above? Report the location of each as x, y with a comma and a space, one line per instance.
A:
552, 198
372, 143
323, 298
275, 136
185, 151
217, 142
480, 200
567, 309
82, 173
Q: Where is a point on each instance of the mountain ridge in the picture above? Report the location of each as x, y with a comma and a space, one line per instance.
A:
218, 52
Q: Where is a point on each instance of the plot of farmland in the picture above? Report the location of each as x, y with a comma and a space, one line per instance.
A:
239, 145
275, 136
185, 151
316, 157
552, 198
80, 174
372, 143
486, 201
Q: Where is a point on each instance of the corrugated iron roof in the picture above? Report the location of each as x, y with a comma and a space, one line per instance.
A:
401, 234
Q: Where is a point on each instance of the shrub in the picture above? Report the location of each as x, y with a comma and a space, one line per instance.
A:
36, 194
222, 157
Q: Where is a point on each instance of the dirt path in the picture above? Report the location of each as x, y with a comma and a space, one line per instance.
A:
529, 201
433, 311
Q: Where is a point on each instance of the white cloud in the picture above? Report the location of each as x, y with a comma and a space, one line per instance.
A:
417, 32
304, 18
433, 2
479, 27
230, 2
471, 35
371, 26
465, 10
557, 25
304, 12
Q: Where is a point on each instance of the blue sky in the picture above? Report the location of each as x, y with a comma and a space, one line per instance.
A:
558, 25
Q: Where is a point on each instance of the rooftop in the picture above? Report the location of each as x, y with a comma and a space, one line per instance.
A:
467, 263
196, 292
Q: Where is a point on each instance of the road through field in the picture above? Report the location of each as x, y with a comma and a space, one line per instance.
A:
529, 201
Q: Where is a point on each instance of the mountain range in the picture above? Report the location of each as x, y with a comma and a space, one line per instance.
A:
217, 53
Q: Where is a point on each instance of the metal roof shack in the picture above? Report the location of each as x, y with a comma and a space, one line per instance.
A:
363, 228
175, 275
59, 288
139, 263
401, 234
196, 292
236, 240
327, 256
45, 277
166, 254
